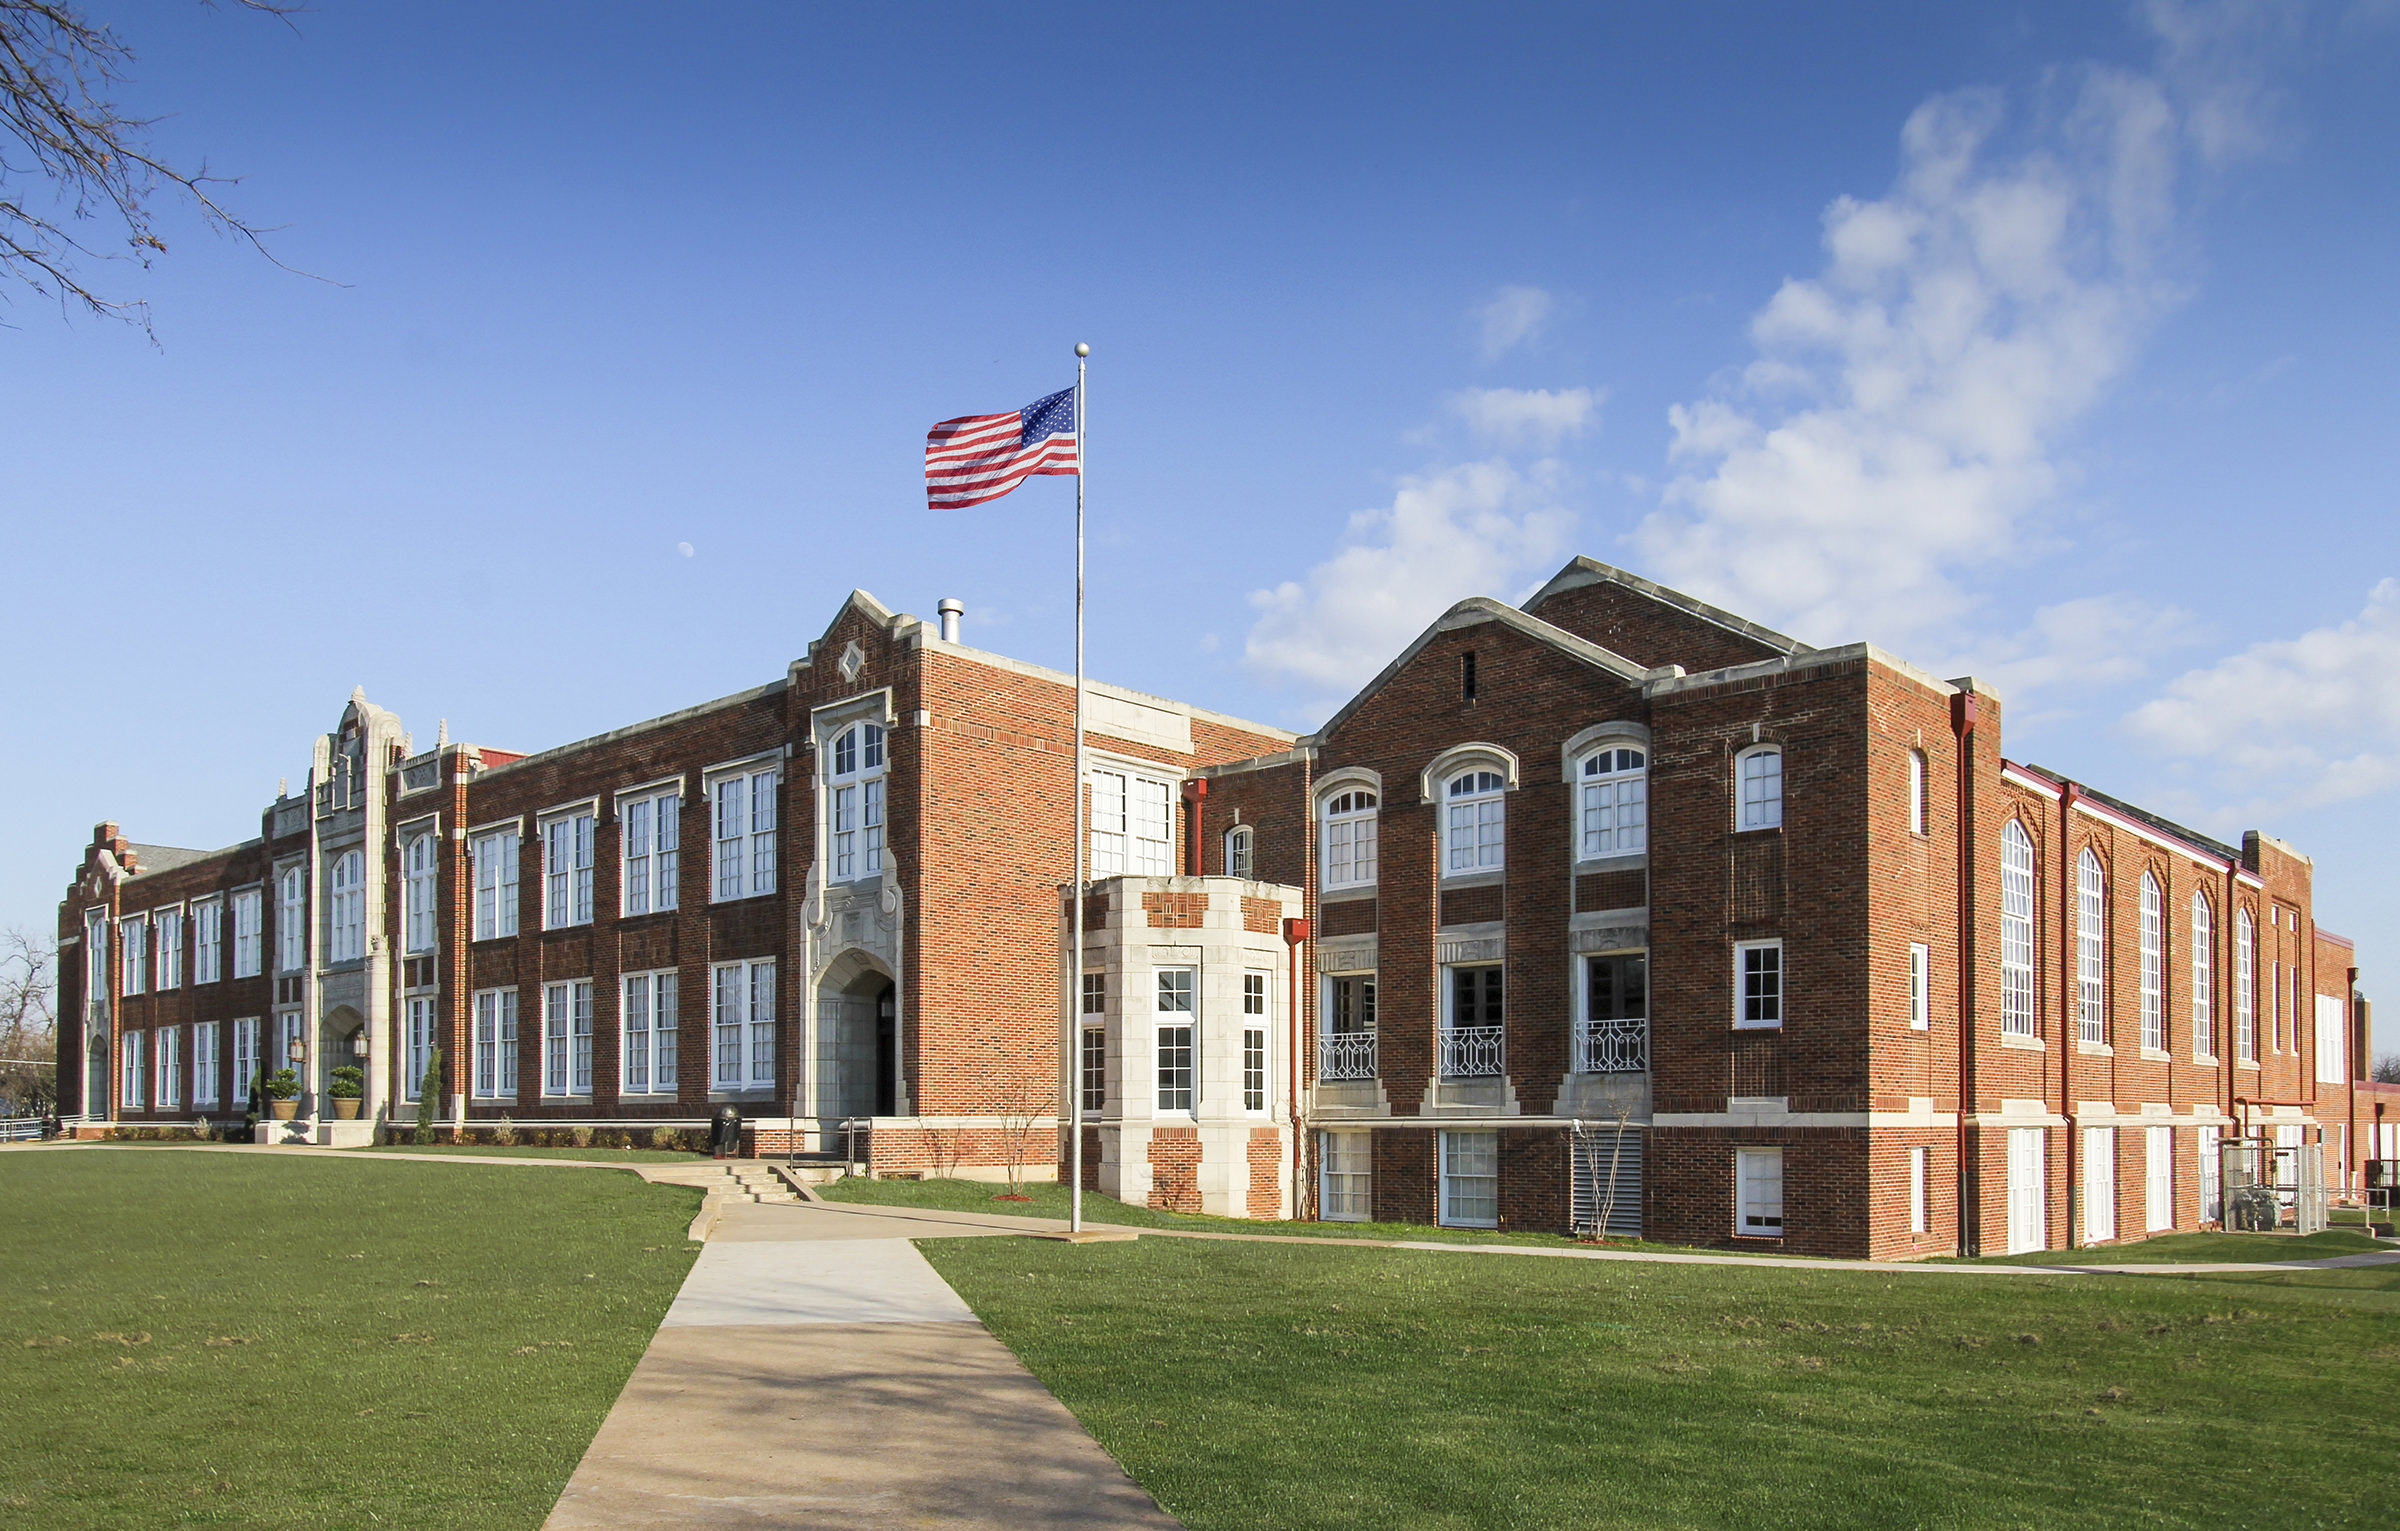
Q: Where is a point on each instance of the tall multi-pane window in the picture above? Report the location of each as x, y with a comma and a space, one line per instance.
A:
742, 834
2154, 966
1757, 984
291, 920
205, 1061
1614, 1037
2245, 989
246, 944
417, 868
1344, 1171
1254, 1041
651, 830
129, 1085
496, 1044
650, 1013
208, 940
1237, 851
1758, 1182
567, 871
2204, 980
496, 857
346, 908
1920, 973
2091, 962
170, 949
1095, 1068
1474, 822
854, 789
419, 1054
1470, 1185
567, 1038
245, 1056
1349, 851
95, 965
1758, 782
1175, 1014
1613, 801
1133, 825
744, 1024
289, 1029
1916, 792
2016, 931
133, 933
170, 1068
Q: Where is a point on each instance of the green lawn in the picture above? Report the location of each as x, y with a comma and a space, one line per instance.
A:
233, 1339
2207, 1248
1255, 1386
521, 1151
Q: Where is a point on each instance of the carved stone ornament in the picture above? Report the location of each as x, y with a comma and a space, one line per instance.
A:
854, 659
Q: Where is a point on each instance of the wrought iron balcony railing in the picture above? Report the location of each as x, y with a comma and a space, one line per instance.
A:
1472, 1052
1612, 1047
1346, 1055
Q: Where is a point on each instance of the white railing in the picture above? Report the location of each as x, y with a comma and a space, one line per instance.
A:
1346, 1055
1471, 1052
1612, 1047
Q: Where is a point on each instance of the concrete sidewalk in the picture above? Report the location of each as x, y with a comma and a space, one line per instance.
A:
815, 1371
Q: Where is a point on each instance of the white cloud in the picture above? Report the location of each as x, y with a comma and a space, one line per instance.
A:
2092, 641
2291, 723
1511, 317
1513, 417
1483, 528
1897, 431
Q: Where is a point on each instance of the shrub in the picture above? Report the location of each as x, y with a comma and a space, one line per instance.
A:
428, 1089
348, 1082
666, 1137
283, 1084
581, 1137
505, 1135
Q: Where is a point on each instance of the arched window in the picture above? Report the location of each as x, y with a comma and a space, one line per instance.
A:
2154, 966
2204, 979
1613, 796
2016, 931
1474, 824
1758, 775
1916, 792
1348, 857
418, 890
346, 913
2245, 990
291, 920
854, 778
2091, 967
1237, 852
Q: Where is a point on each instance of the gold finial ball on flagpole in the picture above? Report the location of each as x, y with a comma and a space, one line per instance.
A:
1081, 349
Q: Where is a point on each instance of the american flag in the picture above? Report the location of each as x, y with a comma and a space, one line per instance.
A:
982, 457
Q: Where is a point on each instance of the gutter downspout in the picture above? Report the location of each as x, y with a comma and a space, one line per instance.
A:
1308, 898
2230, 1045
2350, 1076
1964, 712
2069, 962
1199, 786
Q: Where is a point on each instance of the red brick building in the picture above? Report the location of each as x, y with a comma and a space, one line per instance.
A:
1619, 911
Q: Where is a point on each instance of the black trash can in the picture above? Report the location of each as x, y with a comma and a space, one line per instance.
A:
725, 1132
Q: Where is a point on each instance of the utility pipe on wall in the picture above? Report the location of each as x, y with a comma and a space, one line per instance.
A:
2068, 965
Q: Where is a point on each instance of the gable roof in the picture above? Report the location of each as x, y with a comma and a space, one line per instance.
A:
1473, 612
1581, 571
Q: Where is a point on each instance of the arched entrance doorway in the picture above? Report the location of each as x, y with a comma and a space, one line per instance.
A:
858, 1039
95, 1078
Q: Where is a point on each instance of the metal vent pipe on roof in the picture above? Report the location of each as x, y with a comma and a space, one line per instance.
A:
951, 609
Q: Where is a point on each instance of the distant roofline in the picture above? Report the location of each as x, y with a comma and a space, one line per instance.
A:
1581, 571
2206, 844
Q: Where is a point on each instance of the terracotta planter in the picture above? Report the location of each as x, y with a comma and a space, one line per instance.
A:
283, 1110
347, 1110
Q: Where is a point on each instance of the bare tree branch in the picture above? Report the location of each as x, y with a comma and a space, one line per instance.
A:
76, 171
28, 1021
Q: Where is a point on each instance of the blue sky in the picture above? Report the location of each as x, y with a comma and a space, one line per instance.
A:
2047, 342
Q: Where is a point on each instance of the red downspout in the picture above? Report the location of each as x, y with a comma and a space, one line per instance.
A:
2069, 963
1199, 786
1964, 711
2350, 1073
2230, 1044
1295, 941
1295, 931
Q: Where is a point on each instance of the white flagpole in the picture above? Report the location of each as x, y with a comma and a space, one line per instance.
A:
1075, 988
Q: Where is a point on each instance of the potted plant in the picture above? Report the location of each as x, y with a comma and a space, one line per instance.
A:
282, 1090
347, 1084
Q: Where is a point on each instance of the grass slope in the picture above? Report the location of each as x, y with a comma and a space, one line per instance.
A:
1254, 1386
2206, 1248
233, 1339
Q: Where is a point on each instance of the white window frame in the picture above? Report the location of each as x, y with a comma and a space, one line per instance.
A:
1743, 994
495, 1044
1758, 788
1474, 821
647, 1053
1466, 1162
1258, 1070
650, 849
246, 1069
2158, 1179
2017, 1016
1240, 852
167, 1055
2091, 950
857, 763
1920, 1161
1345, 1176
168, 923
498, 854
208, 939
2245, 988
570, 862
206, 1063
1612, 800
130, 1081
346, 906
1094, 1062
133, 939
2332, 1032
1133, 821
417, 1050
1920, 985
1176, 1017
742, 1027
2153, 975
420, 872
567, 1039
290, 1031
1349, 830
249, 945
1758, 1193
1916, 792
291, 918
2099, 1184
741, 852
2208, 1166
2027, 1191
95, 964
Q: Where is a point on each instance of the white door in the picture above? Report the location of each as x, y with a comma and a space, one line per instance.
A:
2027, 1229
1344, 1196
2158, 1179
2099, 1184
2212, 1174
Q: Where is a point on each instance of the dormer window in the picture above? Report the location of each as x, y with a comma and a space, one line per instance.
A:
1474, 822
1350, 839
1613, 797
855, 801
